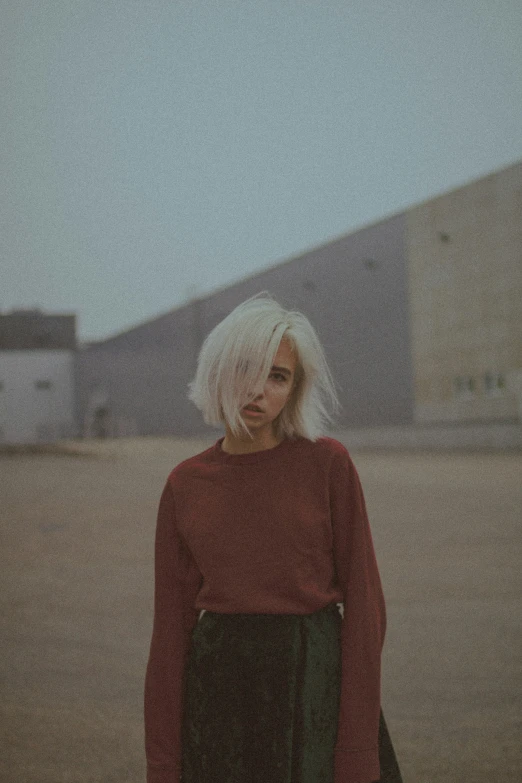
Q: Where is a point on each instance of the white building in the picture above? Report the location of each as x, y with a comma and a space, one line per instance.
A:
37, 401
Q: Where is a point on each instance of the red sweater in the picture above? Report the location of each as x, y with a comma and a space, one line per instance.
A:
279, 531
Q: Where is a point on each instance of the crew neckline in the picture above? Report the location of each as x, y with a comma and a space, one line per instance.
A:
251, 456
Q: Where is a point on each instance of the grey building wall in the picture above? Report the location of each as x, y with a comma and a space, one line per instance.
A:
140, 376
355, 292
465, 269
36, 376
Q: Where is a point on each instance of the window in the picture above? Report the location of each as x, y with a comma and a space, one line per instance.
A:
42, 385
464, 387
494, 383
369, 263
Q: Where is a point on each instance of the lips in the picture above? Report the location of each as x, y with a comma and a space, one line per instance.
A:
253, 408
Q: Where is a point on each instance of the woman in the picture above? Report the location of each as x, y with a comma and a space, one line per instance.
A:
269, 617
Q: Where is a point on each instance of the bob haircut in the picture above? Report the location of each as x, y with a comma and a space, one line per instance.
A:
235, 361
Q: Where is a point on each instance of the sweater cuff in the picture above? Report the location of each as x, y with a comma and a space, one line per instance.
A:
356, 766
162, 774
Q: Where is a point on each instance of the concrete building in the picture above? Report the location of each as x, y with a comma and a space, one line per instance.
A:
36, 377
419, 314
354, 291
464, 252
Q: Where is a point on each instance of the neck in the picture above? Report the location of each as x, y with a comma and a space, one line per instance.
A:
260, 441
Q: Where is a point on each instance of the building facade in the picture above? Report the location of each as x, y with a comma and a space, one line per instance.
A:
419, 315
37, 359
354, 291
464, 255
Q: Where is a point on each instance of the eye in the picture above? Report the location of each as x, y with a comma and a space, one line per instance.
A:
278, 376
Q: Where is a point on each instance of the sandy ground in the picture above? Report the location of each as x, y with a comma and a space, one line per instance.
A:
76, 582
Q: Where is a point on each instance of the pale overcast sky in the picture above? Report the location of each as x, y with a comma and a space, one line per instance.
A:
153, 150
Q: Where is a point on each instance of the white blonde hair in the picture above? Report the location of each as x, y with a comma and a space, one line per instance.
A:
236, 358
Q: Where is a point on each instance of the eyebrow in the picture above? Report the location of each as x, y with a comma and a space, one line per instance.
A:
281, 369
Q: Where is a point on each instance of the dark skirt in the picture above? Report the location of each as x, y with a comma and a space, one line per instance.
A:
262, 700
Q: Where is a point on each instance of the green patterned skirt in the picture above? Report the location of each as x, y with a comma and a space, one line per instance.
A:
262, 700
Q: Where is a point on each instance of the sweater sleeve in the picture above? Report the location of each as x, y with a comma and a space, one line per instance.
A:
175, 589
363, 628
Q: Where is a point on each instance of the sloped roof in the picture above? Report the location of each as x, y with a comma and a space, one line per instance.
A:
32, 330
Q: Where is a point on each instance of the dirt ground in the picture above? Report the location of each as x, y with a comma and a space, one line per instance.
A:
76, 581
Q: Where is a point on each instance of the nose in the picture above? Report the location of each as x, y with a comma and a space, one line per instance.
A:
258, 393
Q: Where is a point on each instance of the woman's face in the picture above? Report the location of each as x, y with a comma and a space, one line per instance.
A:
276, 392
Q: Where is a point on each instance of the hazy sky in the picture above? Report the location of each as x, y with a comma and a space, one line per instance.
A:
155, 150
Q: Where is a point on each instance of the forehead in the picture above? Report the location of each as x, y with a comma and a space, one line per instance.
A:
285, 356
